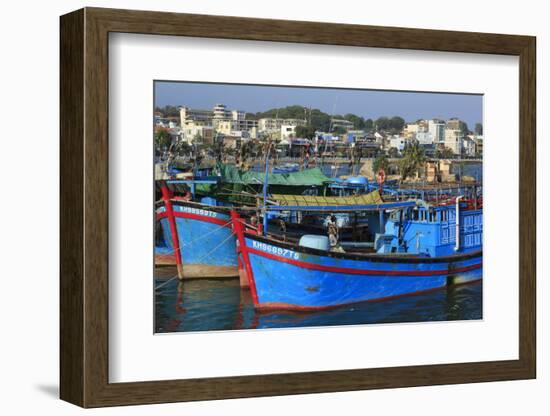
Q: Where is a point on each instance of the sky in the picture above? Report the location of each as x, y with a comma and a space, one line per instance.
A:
366, 103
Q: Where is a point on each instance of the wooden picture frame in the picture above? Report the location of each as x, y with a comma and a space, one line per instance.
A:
84, 207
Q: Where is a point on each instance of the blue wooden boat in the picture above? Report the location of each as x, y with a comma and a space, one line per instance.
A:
422, 248
200, 238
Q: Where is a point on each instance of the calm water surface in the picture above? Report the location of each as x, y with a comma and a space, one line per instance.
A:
207, 305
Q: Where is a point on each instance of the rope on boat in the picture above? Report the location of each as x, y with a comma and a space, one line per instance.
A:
198, 261
200, 238
165, 283
215, 248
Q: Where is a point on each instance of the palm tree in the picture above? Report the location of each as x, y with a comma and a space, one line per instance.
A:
162, 138
413, 160
381, 162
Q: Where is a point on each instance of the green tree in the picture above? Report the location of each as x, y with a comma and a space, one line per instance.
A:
397, 123
338, 130
444, 153
183, 148
306, 132
413, 161
381, 162
369, 124
168, 111
162, 138
382, 123
393, 152
358, 122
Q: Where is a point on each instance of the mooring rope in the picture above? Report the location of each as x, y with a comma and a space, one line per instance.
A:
199, 238
198, 261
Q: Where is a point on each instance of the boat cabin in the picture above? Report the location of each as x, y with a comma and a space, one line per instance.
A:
432, 230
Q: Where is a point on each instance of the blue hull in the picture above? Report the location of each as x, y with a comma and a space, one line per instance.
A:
288, 277
207, 244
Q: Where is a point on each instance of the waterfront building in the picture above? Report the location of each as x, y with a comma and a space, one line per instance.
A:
453, 140
424, 138
478, 140
436, 128
469, 146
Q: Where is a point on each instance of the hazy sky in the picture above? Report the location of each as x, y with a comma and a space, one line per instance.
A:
366, 103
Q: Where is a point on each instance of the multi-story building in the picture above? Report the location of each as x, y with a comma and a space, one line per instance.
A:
194, 132
221, 112
345, 124
453, 124
468, 146
288, 131
219, 118
273, 125
397, 142
436, 128
478, 140
424, 138
246, 125
192, 114
453, 140
410, 130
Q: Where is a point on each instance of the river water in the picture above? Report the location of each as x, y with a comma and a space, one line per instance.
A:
215, 305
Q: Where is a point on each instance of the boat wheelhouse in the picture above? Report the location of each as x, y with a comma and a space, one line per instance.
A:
419, 248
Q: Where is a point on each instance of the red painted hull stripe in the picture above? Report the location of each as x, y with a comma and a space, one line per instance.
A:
197, 217
345, 270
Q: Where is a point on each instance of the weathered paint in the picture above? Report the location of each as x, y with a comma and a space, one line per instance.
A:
205, 238
286, 276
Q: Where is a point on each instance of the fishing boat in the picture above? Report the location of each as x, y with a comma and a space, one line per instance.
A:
198, 237
195, 235
419, 248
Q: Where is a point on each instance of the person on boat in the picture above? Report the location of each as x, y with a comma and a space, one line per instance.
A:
332, 230
254, 220
282, 228
187, 196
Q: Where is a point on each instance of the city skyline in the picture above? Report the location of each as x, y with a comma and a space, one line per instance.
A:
365, 103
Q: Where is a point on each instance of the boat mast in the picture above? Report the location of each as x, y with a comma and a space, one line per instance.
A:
457, 222
266, 179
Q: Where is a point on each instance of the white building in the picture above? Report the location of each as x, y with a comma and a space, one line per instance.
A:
397, 142
273, 125
469, 146
453, 140
192, 114
192, 132
424, 138
436, 128
288, 131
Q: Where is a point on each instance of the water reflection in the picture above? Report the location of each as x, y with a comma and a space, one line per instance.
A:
205, 305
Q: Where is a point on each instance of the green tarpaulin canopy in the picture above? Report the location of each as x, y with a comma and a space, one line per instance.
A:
308, 177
